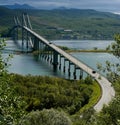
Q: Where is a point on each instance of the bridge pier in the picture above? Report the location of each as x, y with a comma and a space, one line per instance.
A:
55, 60
60, 57
81, 73
15, 35
36, 44
64, 66
23, 38
27, 41
69, 73
51, 57
74, 72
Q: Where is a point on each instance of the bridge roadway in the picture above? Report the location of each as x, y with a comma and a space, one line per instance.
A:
107, 90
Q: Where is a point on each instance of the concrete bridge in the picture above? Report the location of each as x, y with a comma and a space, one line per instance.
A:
56, 56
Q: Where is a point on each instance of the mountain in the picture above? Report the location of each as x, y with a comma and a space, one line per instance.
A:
53, 24
19, 6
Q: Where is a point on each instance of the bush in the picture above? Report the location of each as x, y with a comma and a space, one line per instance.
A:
46, 117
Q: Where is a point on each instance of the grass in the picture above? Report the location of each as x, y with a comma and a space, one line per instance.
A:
94, 97
95, 51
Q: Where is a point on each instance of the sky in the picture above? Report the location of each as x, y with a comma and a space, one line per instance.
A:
102, 5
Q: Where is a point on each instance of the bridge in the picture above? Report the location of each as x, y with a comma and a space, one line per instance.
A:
48, 51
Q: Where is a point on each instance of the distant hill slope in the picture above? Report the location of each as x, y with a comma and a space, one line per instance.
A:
5, 12
55, 24
84, 24
19, 6
74, 13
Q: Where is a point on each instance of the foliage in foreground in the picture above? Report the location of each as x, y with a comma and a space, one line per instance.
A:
46, 117
11, 105
39, 93
11, 110
45, 92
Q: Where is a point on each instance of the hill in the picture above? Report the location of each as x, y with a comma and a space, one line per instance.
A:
67, 23
75, 24
19, 6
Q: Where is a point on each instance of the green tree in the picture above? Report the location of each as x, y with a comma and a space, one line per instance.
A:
46, 117
11, 108
111, 114
116, 46
112, 70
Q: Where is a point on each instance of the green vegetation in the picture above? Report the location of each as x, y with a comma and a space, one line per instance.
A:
66, 24
92, 50
60, 101
54, 100
46, 92
46, 117
111, 114
73, 24
57, 99
11, 105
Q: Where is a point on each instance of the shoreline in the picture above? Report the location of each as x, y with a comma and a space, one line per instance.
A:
86, 51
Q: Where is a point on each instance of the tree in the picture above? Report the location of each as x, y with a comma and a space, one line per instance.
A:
111, 114
112, 70
116, 46
11, 108
46, 117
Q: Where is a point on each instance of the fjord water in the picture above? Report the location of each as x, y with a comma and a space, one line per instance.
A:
84, 44
27, 64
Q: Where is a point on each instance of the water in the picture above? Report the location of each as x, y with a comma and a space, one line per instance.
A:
27, 64
92, 59
84, 44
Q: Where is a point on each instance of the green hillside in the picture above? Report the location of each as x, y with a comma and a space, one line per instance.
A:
6, 19
67, 23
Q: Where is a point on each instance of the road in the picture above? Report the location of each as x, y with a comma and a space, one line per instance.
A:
108, 91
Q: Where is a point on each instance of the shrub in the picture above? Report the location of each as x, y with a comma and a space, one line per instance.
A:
46, 117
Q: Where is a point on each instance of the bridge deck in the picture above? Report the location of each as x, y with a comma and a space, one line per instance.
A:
107, 90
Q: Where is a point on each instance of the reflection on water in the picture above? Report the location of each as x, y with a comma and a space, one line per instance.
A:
27, 64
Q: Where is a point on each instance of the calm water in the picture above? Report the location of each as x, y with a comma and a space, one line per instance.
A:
27, 64
84, 44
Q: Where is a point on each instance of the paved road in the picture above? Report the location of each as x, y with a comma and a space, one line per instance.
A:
107, 90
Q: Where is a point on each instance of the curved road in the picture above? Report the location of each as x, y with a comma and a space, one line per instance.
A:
107, 90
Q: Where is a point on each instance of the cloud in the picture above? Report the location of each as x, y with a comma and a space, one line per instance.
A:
49, 3
109, 5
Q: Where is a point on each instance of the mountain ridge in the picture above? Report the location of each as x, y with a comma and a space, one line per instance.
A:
52, 24
19, 6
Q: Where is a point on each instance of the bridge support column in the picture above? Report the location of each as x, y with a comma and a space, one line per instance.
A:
51, 57
15, 34
81, 73
55, 60
41, 48
36, 44
60, 62
27, 40
47, 56
74, 73
69, 73
64, 66
23, 37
